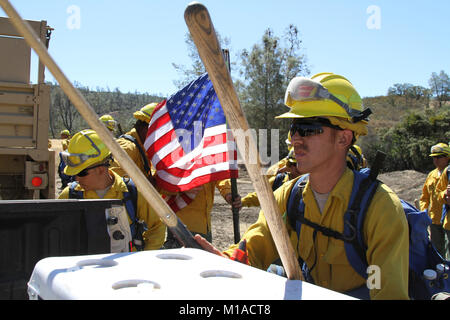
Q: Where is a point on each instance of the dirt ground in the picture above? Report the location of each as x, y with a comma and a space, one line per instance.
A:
407, 184
222, 216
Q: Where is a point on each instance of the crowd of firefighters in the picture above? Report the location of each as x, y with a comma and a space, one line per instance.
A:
326, 118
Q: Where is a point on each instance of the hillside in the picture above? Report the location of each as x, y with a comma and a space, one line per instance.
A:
387, 111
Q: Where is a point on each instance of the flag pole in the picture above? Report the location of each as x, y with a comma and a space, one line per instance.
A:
234, 191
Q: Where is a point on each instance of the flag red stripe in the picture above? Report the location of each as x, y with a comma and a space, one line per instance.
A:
199, 163
197, 181
153, 149
186, 198
159, 123
178, 153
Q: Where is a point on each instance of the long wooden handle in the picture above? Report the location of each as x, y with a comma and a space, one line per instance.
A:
87, 112
204, 36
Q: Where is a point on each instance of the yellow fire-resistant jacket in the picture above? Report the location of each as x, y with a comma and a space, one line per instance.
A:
430, 197
155, 235
65, 144
441, 187
251, 199
197, 215
385, 233
273, 169
133, 152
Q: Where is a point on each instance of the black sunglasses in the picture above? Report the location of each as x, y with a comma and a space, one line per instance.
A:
85, 172
310, 126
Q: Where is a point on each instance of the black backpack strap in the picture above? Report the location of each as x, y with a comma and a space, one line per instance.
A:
364, 188
138, 227
279, 179
141, 151
75, 194
295, 205
130, 197
295, 210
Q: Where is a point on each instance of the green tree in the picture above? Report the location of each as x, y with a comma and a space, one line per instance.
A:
408, 143
64, 108
266, 70
197, 68
440, 86
411, 93
63, 115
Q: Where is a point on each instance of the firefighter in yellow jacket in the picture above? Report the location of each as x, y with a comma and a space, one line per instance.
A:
443, 192
133, 142
288, 172
327, 118
430, 198
65, 138
87, 158
109, 122
197, 214
443, 187
283, 163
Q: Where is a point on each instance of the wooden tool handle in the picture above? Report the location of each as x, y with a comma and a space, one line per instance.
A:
204, 36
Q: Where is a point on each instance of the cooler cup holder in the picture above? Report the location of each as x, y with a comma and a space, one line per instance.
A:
220, 274
173, 256
136, 283
93, 263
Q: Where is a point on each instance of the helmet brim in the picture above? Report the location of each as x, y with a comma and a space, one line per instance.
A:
138, 115
438, 154
71, 171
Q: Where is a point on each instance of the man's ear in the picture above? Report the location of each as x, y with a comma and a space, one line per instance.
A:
102, 169
345, 138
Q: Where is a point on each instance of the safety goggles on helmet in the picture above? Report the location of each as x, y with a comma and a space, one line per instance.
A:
76, 159
110, 124
304, 89
310, 126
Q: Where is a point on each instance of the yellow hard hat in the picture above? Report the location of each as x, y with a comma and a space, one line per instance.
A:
65, 132
145, 114
327, 95
109, 122
85, 150
291, 157
289, 141
440, 149
324, 94
355, 158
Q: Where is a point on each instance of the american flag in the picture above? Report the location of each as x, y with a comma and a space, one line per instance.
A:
188, 142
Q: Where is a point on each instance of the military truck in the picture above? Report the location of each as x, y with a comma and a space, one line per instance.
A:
33, 224
27, 166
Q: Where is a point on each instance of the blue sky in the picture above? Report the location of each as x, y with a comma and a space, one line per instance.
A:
132, 45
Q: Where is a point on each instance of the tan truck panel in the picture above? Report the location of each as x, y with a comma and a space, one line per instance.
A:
14, 60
